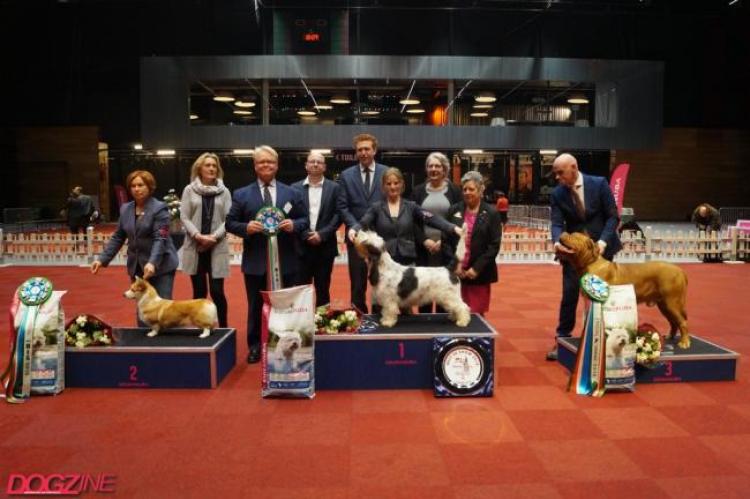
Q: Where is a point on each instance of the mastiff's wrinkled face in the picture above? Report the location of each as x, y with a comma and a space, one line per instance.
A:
586, 251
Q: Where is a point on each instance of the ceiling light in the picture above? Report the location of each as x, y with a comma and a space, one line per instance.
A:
243, 152
548, 152
304, 112
323, 106
194, 116
409, 102
320, 151
578, 99
415, 110
473, 151
165, 152
244, 102
485, 97
223, 96
340, 99
138, 147
479, 115
483, 106
371, 113
242, 112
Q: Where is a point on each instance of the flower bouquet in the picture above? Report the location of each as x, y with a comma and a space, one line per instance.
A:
173, 204
332, 321
648, 345
88, 331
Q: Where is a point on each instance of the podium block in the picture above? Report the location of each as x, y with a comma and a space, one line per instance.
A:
174, 359
703, 361
389, 358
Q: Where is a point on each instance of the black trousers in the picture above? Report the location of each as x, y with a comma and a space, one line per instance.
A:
571, 289
357, 277
216, 286
316, 268
254, 284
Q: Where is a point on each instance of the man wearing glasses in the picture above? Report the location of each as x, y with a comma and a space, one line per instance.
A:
318, 245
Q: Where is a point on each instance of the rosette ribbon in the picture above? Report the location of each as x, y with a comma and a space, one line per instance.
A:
588, 376
16, 378
270, 217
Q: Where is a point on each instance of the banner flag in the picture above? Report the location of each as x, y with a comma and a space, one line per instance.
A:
617, 183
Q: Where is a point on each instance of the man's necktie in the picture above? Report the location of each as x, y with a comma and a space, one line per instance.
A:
267, 199
578, 203
367, 181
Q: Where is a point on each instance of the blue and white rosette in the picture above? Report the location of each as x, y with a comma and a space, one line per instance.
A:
270, 217
16, 378
588, 376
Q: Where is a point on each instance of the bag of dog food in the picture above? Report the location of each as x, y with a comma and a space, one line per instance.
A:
288, 335
620, 325
37, 357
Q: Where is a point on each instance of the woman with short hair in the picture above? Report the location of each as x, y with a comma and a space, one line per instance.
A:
144, 224
478, 269
435, 195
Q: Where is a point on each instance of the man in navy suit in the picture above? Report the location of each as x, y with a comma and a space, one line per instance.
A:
360, 187
246, 202
318, 244
580, 203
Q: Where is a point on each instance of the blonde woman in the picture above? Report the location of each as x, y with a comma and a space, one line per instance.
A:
205, 254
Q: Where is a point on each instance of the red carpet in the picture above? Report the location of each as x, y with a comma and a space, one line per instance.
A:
533, 439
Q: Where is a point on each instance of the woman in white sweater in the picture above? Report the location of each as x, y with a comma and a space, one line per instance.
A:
205, 254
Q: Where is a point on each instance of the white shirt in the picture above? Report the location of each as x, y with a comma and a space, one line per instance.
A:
314, 196
578, 189
271, 189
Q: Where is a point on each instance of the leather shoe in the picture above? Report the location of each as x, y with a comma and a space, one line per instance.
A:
552, 354
253, 356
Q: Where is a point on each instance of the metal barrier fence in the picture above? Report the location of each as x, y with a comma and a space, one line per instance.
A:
729, 215
531, 216
731, 244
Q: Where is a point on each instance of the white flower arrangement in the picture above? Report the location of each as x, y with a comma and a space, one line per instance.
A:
173, 204
648, 346
329, 321
88, 331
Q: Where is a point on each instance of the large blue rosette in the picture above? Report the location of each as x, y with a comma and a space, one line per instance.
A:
588, 376
270, 217
17, 376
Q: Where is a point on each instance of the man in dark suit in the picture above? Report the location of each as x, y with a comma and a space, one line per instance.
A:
580, 203
246, 202
360, 187
318, 244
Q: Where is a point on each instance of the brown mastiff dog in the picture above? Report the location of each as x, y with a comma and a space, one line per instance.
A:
660, 283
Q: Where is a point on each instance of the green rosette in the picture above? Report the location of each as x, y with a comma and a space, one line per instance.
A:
595, 287
35, 291
270, 217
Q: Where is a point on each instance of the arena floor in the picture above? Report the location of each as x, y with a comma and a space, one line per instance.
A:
532, 439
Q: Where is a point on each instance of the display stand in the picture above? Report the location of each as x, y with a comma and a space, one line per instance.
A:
703, 361
174, 359
400, 357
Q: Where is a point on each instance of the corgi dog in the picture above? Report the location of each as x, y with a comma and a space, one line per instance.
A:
160, 313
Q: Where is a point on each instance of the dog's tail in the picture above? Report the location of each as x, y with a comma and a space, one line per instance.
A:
458, 256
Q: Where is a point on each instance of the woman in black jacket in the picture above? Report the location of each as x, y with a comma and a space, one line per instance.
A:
478, 269
435, 196
400, 222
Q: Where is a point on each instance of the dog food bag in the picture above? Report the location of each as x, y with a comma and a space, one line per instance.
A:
620, 325
37, 357
288, 335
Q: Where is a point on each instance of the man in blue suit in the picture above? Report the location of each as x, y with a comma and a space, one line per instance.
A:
318, 244
580, 203
246, 202
360, 187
